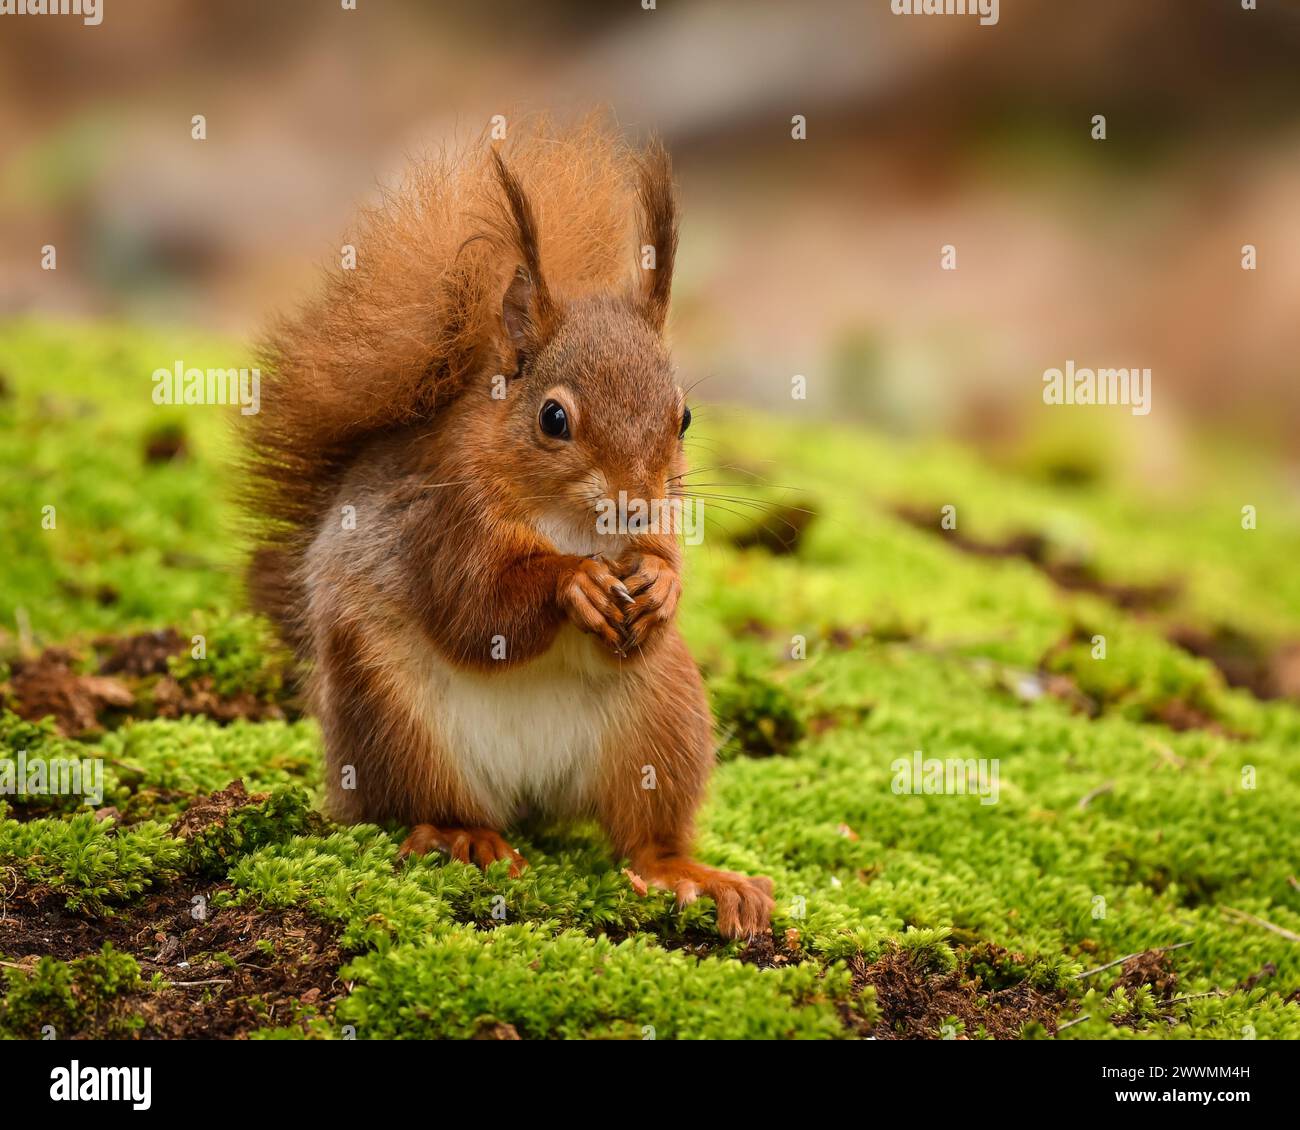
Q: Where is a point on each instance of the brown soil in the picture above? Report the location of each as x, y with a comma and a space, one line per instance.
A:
214, 808
770, 951
496, 1031
197, 697
132, 681
1074, 574
1268, 671
275, 965
915, 1005
48, 685
140, 655
1152, 968
1245, 661
1179, 714
828, 720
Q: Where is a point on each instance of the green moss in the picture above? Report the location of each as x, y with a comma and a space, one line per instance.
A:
199, 756
56, 999
133, 544
282, 815
91, 861
241, 655
928, 950
21, 739
1110, 834
756, 716
564, 985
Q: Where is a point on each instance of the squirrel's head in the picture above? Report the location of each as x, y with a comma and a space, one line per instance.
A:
594, 416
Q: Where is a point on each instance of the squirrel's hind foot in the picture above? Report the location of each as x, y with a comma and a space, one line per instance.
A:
744, 901
477, 845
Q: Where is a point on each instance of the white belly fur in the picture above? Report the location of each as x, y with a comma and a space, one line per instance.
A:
530, 734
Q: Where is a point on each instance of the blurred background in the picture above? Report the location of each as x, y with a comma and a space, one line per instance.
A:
819, 257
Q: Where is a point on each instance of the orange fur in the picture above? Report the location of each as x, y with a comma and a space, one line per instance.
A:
390, 342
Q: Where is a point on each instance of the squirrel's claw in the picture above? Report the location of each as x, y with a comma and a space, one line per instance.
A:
744, 902
479, 846
588, 597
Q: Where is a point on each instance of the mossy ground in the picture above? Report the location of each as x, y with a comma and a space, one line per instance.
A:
928, 915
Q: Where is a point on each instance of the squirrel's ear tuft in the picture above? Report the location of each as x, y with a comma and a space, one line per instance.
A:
527, 310
517, 313
658, 233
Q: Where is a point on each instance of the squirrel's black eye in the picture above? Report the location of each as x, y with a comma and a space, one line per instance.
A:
554, 420
686, 422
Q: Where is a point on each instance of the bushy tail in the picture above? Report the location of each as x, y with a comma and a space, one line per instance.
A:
389, 342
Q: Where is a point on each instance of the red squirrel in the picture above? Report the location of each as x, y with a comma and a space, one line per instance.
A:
437, 433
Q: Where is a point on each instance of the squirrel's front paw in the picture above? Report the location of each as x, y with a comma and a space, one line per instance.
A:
593, 598
655, 587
